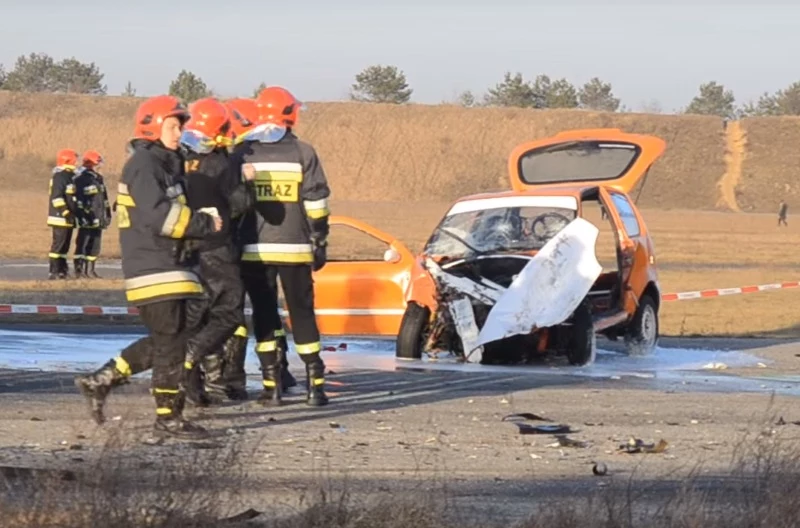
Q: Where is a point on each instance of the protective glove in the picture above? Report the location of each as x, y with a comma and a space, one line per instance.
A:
320, 254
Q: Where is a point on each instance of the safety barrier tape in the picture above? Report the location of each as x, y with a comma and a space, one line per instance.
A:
49, 309
720, 292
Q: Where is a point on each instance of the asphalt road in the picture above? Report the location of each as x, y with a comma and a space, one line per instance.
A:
19, 269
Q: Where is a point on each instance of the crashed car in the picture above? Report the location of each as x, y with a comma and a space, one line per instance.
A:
510, 275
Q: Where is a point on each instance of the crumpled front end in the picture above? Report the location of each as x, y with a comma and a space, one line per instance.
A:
487, 301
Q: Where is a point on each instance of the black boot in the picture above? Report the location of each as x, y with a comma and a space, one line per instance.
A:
91, 273
287, 380
271, 395
63, 268
315, 380
79, 264
233, 374
54, 263
213, 383
193, 382
96, 386
170, 420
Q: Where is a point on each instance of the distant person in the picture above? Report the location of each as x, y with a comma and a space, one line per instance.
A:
94, 214
62, 211
782, 210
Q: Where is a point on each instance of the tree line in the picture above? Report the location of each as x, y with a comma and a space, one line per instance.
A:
38, 72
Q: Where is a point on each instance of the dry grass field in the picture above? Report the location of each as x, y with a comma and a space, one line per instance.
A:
696, 250
398, 167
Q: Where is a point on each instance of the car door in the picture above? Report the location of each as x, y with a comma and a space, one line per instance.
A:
631, 249
361, 294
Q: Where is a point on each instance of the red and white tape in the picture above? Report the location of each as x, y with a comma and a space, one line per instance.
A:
720, 292
49, 309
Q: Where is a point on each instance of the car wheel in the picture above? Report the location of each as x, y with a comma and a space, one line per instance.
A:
641, 337
412, 326
583, 341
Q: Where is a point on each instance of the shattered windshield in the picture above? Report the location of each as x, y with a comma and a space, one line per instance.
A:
493, 230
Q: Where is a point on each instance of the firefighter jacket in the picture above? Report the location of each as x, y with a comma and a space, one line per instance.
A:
212, 182
291, 209
62, 208
153, 219
91, 197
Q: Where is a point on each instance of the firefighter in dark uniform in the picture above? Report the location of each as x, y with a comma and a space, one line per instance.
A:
284, 236
62, 211
212, 183
243, 113
94, 214
154, 222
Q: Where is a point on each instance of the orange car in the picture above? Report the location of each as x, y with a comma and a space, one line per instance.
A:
505, 259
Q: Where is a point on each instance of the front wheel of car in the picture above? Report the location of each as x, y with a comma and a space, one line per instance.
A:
583, 341
412, 326
641, 337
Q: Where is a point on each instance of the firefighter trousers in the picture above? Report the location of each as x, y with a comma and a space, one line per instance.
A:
87, 243
169, 325
260, 281
219, 270
59, 250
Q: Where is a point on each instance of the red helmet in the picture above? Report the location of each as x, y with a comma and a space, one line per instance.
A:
92, 159
208, 126
66, 158
278, 106
151, 114
244, 113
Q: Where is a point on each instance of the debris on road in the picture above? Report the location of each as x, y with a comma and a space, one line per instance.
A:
637, 445
599, 469
543, 429
565, 441
715, 366
526, 416
781, 421
246, 515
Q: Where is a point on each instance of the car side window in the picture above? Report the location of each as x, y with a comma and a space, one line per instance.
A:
626, 213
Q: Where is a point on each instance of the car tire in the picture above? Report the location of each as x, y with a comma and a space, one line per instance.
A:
583, 341
641, 336
409, 338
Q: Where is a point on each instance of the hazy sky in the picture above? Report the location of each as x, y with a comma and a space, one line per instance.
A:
648, 50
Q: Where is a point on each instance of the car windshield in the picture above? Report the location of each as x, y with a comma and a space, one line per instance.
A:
465, 233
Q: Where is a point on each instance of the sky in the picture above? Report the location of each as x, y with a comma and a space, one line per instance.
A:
649, 51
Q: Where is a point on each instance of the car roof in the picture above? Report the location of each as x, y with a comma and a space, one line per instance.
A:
545, 190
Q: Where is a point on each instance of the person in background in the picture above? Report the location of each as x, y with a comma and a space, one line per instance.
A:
62, 211
94, 214
782, 211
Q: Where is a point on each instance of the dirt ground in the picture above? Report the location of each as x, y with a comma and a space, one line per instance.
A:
397, 430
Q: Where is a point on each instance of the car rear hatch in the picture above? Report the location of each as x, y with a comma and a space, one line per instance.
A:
587, 157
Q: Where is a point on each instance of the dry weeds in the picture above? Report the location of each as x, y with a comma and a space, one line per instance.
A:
126, 486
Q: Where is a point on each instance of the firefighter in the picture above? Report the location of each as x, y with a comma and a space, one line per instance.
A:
94, 214
62, 211
154, 223
285, 236
211, 183
233, 383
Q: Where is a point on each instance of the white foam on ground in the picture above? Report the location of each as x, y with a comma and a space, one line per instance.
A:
64, 351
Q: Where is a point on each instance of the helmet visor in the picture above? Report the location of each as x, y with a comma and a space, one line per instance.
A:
266, 133
197, 141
